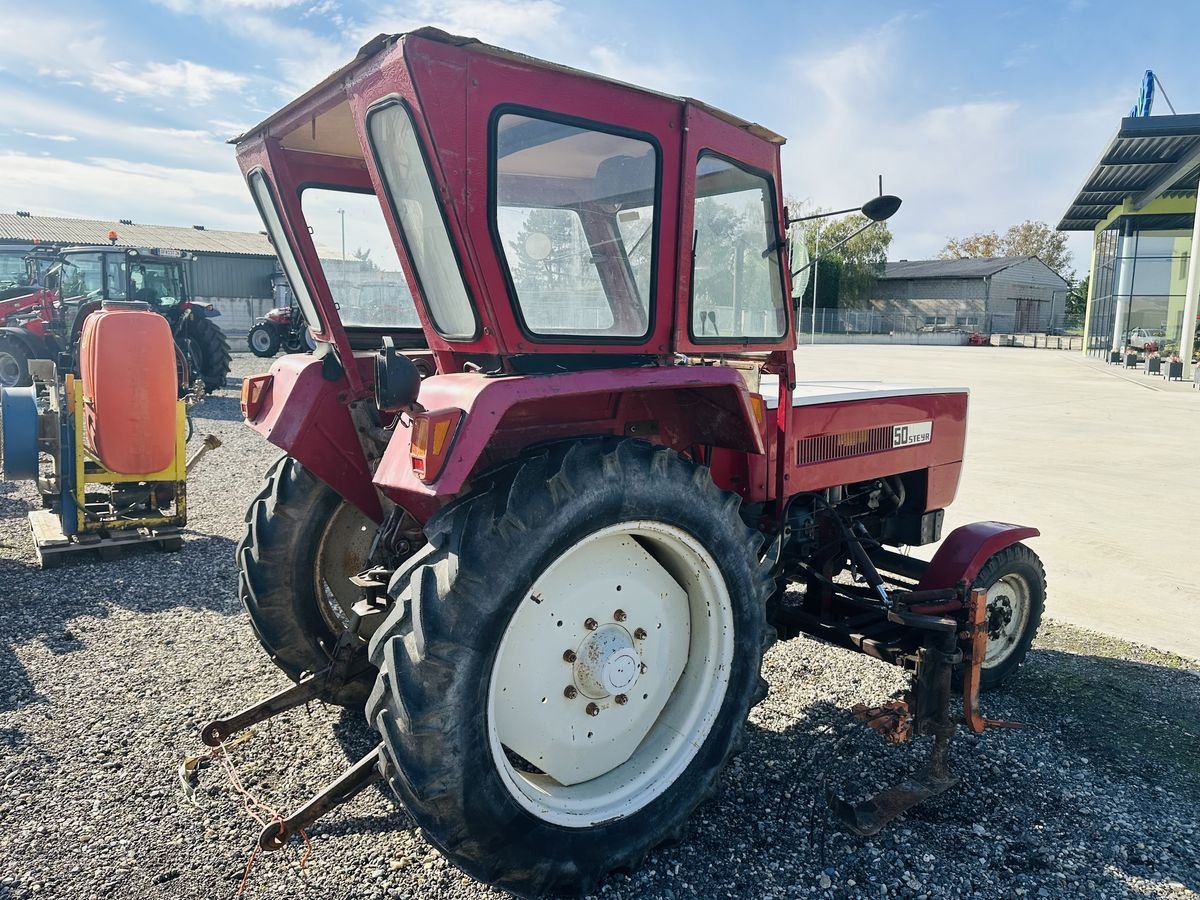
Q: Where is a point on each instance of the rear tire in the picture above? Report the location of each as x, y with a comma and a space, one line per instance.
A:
212, 347
287, 584
263, 340
14, 365
477, 612
1016, 584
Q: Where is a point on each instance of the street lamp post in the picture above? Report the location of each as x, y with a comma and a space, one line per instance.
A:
342, 213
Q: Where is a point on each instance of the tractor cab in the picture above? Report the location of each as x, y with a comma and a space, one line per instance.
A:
515, 216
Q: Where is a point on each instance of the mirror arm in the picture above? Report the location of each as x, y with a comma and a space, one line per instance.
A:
840, 243
822, 215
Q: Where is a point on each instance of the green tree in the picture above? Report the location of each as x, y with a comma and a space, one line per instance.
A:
846, 275
1077, 300
1026, 239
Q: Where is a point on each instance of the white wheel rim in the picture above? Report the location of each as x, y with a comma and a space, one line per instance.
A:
262, 340
1008, 602
645, 611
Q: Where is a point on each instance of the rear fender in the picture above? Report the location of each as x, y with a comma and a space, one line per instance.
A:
967, 549
677, 407
306, 416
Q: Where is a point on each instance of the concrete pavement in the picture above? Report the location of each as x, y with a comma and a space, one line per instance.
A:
1105, 462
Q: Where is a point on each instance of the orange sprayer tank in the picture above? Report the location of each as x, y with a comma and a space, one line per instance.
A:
127, 366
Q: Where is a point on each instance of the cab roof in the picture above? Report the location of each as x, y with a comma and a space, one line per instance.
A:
381, 42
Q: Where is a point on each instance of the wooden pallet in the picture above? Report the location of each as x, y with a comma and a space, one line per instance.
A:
53, 547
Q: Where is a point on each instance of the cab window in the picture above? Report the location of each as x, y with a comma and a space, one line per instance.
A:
574, 211
737, 289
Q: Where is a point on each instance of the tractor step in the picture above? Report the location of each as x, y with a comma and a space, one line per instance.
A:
54, 548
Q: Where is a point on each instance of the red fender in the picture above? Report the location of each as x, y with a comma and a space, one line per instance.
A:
305, 415
964, 552
673, 405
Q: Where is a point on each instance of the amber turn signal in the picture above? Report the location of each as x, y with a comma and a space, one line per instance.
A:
254, 394
433, 435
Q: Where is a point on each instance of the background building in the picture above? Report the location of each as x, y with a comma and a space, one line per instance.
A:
1140, 203
1006, 294
236, 271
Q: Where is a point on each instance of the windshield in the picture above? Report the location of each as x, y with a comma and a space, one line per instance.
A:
358, 258
12, 269
574, 211
82, 275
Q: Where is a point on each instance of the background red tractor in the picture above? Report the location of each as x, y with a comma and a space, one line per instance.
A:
65, 285
546, 536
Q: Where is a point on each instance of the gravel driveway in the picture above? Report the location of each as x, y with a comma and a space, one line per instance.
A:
107, 670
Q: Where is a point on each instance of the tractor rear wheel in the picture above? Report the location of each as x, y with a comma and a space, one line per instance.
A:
14, 365
1016, 595
569, 663
211, 348
303, 541
263, 340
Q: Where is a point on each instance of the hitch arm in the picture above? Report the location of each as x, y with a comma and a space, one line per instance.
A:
306, 689
346, 786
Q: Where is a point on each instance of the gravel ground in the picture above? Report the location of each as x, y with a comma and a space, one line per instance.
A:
107, 670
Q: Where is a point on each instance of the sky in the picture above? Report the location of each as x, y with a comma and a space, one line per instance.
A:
980, 115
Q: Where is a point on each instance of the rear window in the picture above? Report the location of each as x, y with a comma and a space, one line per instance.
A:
574, 211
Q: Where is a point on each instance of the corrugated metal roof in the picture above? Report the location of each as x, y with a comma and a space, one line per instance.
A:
55, 230
1143, 150
950, 268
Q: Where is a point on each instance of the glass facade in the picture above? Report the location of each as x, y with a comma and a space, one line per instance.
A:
1138, 286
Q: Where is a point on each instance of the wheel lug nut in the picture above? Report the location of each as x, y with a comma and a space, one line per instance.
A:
640, 634
590, 624
592, 709
622, 699
569, 656
619, 615
569, 692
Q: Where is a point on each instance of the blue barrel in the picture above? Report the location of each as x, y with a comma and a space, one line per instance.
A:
19, 433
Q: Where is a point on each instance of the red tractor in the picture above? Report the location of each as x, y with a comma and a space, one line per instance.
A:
546, 536
63, 286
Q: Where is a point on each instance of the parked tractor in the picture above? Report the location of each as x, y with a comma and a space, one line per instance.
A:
66, 285
283, 326
547, 537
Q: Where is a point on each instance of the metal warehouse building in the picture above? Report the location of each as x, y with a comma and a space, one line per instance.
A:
236, 271
1018, 294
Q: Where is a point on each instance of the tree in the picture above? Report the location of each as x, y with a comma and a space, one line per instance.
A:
846, 275
1027, 239
1077, 300
1040, 240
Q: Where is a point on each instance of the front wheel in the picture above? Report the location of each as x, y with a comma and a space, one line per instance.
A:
569, 663
263, 340
1016, 595
14, 365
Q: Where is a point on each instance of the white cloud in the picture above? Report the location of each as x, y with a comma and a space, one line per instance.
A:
193, 82
519, 24
103, 187
962, 165
58, 138
211, 7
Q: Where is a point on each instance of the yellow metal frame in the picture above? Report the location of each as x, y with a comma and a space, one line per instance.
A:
176, 472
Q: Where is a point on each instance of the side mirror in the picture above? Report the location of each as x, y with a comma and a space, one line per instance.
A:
799, 263
397, 379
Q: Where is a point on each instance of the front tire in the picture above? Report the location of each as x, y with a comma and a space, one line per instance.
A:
303, 541
569, 663
14, 365
1016, 588
263, 340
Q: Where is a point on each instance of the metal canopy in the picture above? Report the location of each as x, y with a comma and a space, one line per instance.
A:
1148, 157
